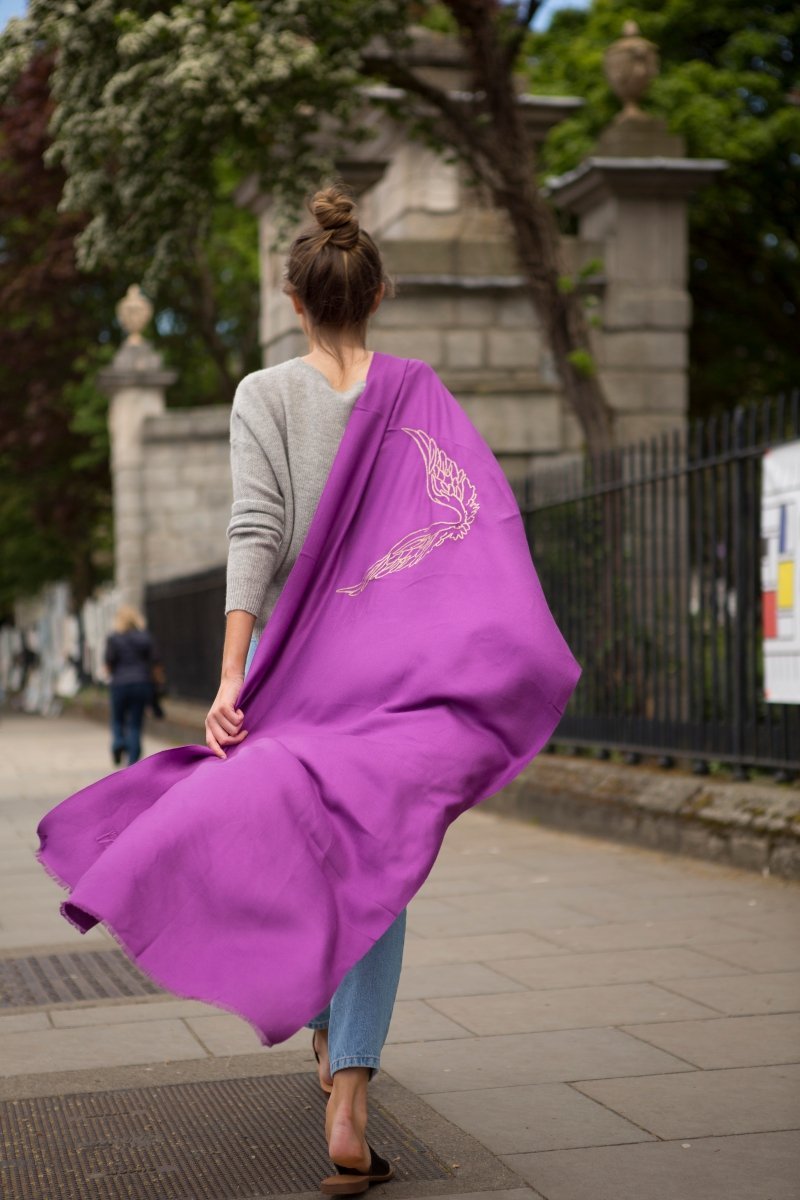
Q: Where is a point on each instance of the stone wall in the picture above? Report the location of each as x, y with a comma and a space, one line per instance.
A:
170, 475
187, 490
461, 305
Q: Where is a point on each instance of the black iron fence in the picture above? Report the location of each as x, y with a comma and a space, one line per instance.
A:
186, 617
650, 557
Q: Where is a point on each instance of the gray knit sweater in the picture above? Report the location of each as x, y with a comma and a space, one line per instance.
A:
286, 425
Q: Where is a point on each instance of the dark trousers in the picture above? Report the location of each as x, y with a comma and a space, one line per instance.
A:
128, 702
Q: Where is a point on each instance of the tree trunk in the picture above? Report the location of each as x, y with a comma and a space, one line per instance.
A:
488, 133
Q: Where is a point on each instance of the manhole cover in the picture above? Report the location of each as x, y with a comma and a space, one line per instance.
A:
54, 978
226, 1138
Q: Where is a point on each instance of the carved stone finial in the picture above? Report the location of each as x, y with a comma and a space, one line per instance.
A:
134, 311
631, 64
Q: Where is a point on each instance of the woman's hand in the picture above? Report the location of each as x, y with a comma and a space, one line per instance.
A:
223, 722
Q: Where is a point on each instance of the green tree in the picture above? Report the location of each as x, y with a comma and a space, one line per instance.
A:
54, 487
728, 84
485, 126
59, 329
148, 96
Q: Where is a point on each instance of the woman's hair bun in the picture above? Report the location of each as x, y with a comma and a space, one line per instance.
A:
335, 212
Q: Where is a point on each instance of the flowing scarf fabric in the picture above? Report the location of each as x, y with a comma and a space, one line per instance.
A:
410, 669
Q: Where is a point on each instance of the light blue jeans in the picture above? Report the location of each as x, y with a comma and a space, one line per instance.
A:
358, 1016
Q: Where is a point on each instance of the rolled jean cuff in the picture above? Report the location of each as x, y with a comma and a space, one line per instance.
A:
358, 1060
318, 1023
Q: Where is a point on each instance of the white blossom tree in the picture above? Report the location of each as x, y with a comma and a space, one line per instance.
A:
150, 99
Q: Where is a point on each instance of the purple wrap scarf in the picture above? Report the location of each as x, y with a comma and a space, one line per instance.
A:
410, 669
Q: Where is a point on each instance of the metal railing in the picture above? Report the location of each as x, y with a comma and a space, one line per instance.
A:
186, 617
650, 558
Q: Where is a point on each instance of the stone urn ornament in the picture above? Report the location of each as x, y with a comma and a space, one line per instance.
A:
134, 312
631, 64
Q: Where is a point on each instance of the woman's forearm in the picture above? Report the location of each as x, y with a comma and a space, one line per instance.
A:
239, 627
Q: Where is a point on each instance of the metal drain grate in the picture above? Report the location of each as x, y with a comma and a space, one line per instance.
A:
55, 978
219, 1139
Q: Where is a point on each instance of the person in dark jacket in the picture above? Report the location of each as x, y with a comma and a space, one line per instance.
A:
130, 656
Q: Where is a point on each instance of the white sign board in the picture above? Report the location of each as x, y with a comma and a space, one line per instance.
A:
780, 573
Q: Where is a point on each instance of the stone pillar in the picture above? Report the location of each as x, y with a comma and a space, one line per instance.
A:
135, 382
461, 304
630, 198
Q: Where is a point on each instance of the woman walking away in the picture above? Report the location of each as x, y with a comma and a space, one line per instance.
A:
286, 425
130, 656
389, 661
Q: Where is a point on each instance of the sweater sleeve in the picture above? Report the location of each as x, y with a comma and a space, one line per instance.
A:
255, 530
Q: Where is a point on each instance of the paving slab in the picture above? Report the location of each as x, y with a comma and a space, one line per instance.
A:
759, 1166
437, 889
456, 979
421, 907
43, 933
114, 1014
568, 1008
647, 878
23, 1022
416, 1021
629, 935
459, 923
728, 1041
101, 1046
705, 1103
504, 1061
516, 1194
742, 995
609, 966
783, 922
224, 1034
549, 872
617, 906
756, 953
425, 952
513, 1120
525, 909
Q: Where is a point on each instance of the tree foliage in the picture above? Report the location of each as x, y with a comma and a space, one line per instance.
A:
484, 125
728, 84
59, 329
124, 129
54, 487
149, 96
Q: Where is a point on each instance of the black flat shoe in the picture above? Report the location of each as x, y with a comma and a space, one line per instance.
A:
349, 1181
327, 1088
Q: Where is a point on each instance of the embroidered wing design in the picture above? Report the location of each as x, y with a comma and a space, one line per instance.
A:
447, 485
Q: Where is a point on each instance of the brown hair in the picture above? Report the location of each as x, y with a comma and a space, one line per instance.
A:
334, 268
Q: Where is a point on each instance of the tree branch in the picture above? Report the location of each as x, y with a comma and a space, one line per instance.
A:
516, 41
465, 134
489, 134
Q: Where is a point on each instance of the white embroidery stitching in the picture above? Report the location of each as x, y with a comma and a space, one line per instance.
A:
446, 484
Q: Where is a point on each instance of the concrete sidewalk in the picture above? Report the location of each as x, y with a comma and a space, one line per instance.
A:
610, 1023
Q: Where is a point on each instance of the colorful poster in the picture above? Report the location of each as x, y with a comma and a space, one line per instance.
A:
780, 573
